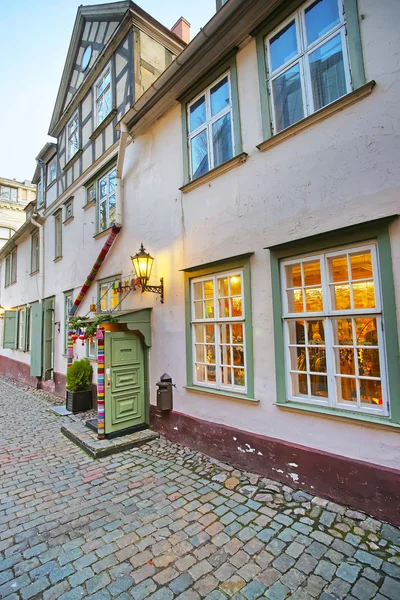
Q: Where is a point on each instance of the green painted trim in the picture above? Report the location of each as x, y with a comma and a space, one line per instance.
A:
227, 64
263, 88
212, 269
340, 413
375, 230
354, 43
390, 323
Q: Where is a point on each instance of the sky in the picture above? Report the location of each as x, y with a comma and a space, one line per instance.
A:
34, 40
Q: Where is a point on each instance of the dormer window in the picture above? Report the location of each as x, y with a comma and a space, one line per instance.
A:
73, 136
103, 96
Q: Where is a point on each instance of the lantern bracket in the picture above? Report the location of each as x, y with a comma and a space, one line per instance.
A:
156, 289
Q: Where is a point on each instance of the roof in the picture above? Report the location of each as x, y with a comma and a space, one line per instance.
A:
226, 31
117, 10
15, 183
26, 229
48, 151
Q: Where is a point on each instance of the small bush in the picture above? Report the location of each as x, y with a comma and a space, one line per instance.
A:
79, 376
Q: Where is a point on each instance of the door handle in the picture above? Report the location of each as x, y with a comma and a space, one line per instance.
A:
108, 380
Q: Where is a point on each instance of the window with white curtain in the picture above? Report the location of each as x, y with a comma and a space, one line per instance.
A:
307, 62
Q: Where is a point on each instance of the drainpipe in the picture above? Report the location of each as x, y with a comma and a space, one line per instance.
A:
41, 255
119, 181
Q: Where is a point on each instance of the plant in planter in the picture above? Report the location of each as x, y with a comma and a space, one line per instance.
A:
79, 386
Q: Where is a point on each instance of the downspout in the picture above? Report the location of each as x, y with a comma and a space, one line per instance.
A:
119, 181
41, 257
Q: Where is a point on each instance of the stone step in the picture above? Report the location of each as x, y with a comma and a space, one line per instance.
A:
87, 439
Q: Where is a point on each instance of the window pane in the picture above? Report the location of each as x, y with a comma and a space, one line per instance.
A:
198, 290
343, 332
312, 273
199, 333
114, 298
364, 295
345, 361
210, 334
103, 187
288, 100
199, 350
328, 79
197, 114
200, 373
236, 285
237, 333
315, 332
198, 310
209, 289
370, 392
222, 140
220, 97
338, 269
103, 216
112, 204
366, 333
238, 377
296, 332
347, 389
341, 297
223, 289
321, 17
317, 360
283, 46
209, 306
295, 301
313, 299
111, 180
210, 355
199, 152
319, 385
104, 297
368, 362
361, 266
211, 374
298, 360
299, 385
293, 276
225, 333
236, 307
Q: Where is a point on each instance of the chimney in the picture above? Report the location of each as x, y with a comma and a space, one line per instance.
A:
182, 29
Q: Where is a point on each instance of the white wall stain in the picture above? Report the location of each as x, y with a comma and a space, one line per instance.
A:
294, 476
292, 465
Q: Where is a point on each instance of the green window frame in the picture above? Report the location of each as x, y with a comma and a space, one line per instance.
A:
94, 196
226, 67
214, 271
378, 233
107, 299
354, 54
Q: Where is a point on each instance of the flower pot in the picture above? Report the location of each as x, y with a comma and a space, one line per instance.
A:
79, 401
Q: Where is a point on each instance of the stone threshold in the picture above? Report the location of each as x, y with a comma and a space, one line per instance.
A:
87, 440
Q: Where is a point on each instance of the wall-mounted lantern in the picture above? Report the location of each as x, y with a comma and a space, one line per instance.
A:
142, 264
2, 311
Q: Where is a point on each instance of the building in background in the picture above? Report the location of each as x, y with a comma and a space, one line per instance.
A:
14, 196
258, 165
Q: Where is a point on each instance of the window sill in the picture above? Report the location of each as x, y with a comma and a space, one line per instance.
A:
226, 166
68, 220
34, 272
51, 185
318, 116
72, 160
89, 204
102, 233
57, 259
322, 411
103, 125
221, 393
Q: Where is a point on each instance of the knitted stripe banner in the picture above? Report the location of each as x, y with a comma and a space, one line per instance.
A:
100, 259
100, 389
70, 350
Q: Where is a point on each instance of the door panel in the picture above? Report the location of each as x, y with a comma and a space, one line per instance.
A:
124, 378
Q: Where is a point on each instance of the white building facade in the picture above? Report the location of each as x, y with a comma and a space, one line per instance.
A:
261, 171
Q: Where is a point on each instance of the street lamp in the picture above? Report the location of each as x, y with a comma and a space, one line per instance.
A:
143, 263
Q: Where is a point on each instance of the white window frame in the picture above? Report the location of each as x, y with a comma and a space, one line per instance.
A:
90, 347
216, 321
302, 58
210, 120
58, 234
52, 171
70, 134
106, 198
328, 315
21, 328
99, 97
102, 295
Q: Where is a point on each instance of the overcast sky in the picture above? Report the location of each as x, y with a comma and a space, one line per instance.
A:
34, 40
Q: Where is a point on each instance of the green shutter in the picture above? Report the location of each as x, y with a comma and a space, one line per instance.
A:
48, 338
36, 339
10, 329
27, 327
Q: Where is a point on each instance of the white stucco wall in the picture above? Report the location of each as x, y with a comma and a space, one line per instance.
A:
342, 171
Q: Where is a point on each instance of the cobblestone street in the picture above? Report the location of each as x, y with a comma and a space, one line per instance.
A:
164, 522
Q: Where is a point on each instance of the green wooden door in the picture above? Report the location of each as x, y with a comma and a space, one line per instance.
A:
36, 339
124, 382
48, 338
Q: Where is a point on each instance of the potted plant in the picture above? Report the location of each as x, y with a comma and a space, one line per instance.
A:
79, 386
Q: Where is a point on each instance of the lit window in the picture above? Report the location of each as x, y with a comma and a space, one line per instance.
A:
210, 130
307, 62
103, 96
73, 136
51, 171
333, 329
107, 200
109, 297
218, 331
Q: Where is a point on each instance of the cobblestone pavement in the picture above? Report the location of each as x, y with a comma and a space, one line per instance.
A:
161, 522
